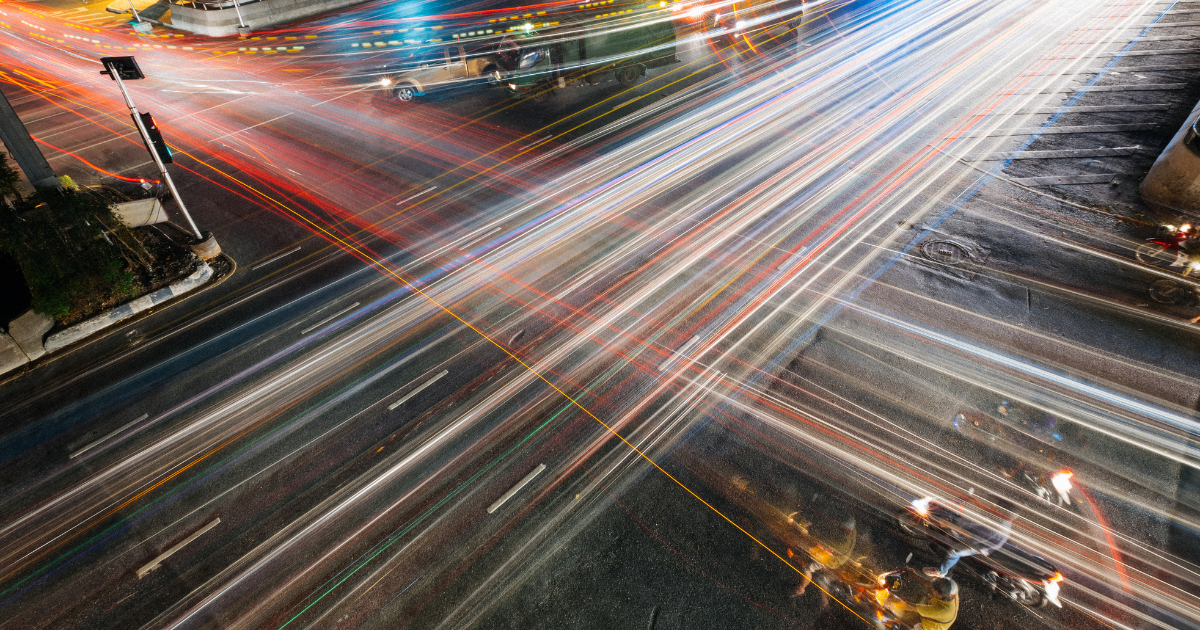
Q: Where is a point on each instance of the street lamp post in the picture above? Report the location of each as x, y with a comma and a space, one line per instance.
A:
120, 68
238, 9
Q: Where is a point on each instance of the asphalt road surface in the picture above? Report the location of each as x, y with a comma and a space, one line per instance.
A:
747, 261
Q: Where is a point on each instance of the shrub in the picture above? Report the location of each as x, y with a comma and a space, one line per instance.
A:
72, 247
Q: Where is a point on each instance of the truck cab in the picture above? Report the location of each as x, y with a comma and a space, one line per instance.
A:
539, 61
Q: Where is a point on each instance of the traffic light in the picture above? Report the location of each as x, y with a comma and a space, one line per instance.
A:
160, 146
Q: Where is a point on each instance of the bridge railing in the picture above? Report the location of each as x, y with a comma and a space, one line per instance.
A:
212, 5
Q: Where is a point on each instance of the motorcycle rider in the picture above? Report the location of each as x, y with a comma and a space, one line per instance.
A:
975, 538
834, 533
937, 613
1184, 242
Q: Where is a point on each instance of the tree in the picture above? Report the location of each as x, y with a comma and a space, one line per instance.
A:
73, 249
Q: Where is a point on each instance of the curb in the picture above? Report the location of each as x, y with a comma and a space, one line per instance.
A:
64, 338
17, 370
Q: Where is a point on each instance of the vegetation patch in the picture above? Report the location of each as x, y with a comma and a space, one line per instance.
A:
78, 257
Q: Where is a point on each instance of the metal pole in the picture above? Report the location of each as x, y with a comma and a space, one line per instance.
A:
237, 8
135, 15
162, 168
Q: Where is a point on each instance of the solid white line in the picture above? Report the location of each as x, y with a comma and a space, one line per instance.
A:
678, 353
411, 197
418, 390
153, 564
271, 260
517, 488
81, 451
234, 133
328, 319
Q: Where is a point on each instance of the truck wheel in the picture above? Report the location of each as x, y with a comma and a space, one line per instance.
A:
628, 75
405, 93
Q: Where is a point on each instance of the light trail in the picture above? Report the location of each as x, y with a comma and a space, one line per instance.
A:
612, 264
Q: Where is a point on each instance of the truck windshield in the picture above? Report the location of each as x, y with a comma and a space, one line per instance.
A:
529, 58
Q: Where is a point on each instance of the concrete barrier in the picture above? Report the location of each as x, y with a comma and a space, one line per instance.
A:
208, 248
82, 330
141, 212
1173, 183
257, 15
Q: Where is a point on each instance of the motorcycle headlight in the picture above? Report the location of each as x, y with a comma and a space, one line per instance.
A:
921, 505
1062, 481
1052, 589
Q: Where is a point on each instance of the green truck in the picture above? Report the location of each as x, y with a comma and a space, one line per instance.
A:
620, 45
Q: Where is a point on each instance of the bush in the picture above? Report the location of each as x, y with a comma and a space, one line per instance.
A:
72, 248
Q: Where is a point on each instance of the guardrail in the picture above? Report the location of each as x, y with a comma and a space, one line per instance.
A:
213, 5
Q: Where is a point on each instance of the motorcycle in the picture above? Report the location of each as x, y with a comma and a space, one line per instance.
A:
1018, 574
865, 592
1172, 247
1052, 488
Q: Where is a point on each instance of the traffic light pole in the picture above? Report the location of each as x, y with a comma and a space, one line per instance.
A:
162, 168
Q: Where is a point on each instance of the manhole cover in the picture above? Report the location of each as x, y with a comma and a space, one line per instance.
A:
1167, 291
946, 252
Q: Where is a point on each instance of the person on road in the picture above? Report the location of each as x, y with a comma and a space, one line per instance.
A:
938, 613
834, 535
974, 538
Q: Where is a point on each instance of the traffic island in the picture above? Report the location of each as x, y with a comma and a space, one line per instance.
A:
78, 332
23, 342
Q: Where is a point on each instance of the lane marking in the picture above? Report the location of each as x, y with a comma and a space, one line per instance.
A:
1066, 153
271, 260
517, 488
678, 353
418, 390
1061, 180
153, 564
110, 435
1025, 131
411, 197
329, 319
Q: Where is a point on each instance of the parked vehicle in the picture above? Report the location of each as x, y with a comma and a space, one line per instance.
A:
441, 67
1009, 570
626, 43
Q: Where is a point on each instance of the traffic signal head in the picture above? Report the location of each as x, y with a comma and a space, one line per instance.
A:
160, 146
